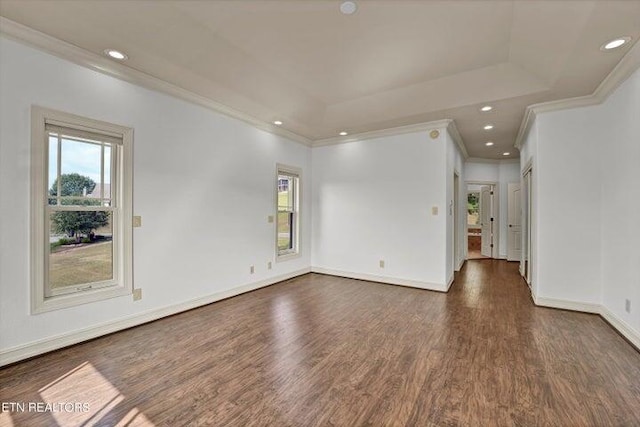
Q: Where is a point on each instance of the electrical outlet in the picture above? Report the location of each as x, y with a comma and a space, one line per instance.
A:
137, 221
269, 265
252, 269
627, 305
137, 294
381, 263
434, 210
270, 219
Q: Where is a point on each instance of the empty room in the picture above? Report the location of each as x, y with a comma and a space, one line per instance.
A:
319, 213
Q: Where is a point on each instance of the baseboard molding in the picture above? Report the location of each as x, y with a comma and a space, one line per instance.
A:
461, 264
36, 348
440, 287
621, 326
566, 305
450, 281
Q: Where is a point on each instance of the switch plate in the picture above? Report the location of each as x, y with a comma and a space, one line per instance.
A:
269, 265
137, 221
434, 210
270, 219
137, 294
381, 263
627, 305
252, 269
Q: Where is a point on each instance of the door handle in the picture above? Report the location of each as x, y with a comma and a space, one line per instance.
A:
510, 225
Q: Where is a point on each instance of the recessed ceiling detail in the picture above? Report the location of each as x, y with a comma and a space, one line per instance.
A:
381, 68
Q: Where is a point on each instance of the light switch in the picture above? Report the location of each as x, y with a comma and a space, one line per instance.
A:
137, 221
434, 210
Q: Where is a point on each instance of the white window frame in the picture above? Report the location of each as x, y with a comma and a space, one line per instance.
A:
122, 195
297, 203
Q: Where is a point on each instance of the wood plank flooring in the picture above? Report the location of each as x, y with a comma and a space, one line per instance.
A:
321, 351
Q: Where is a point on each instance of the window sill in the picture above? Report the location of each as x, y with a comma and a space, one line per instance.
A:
287, 257
79, 298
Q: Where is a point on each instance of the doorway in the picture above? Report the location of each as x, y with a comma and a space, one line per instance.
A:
481, 221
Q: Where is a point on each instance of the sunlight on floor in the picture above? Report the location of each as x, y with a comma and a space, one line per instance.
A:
92, 393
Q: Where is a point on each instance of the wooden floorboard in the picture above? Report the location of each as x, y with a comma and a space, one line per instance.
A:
320, 350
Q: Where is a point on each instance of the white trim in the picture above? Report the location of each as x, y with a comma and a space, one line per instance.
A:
455, 135
121, 216
447, 124
45, 345
440, 287
629, 63
584, 307
461, 263
621, 326
297, 172
450, 282
120, 71
492, 161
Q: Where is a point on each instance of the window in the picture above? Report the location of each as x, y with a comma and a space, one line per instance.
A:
473, 209
288, 217
81, 210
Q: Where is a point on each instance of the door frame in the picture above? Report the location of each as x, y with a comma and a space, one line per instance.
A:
495, 229
508, 221
527, 235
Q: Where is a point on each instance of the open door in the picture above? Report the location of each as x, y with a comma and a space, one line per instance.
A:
514, 217
486, 224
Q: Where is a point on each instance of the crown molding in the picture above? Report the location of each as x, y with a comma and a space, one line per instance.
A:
629, 63
455, 135
491, 161
447, 124
96, 62
101, 64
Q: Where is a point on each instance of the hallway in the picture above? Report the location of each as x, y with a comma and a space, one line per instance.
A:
323, 350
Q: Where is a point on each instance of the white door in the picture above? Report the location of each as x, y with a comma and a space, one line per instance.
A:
514, 218
486, 213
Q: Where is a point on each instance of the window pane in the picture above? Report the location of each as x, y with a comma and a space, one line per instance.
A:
285, 227
53, 165
80, 168
473, 209
285, 193
81, 248
107, 173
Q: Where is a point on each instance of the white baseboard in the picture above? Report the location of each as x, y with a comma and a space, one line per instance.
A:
566, 305
450, 281
460, 264
45, 345
621, 326
440, 287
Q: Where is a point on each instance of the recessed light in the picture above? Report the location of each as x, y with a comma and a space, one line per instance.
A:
115, 54
348, 7
488, 144
506, 153
343, 133
486, 108
277, 122
615, 43
488, 127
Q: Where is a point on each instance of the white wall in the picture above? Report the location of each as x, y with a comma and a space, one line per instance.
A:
620, 212
203, 183
455, 165
586, 200
373, 200
528, 153
502, 172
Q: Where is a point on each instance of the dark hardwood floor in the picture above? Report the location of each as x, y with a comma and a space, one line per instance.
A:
321, 350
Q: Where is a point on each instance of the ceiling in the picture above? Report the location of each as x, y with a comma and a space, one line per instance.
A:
392, 63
